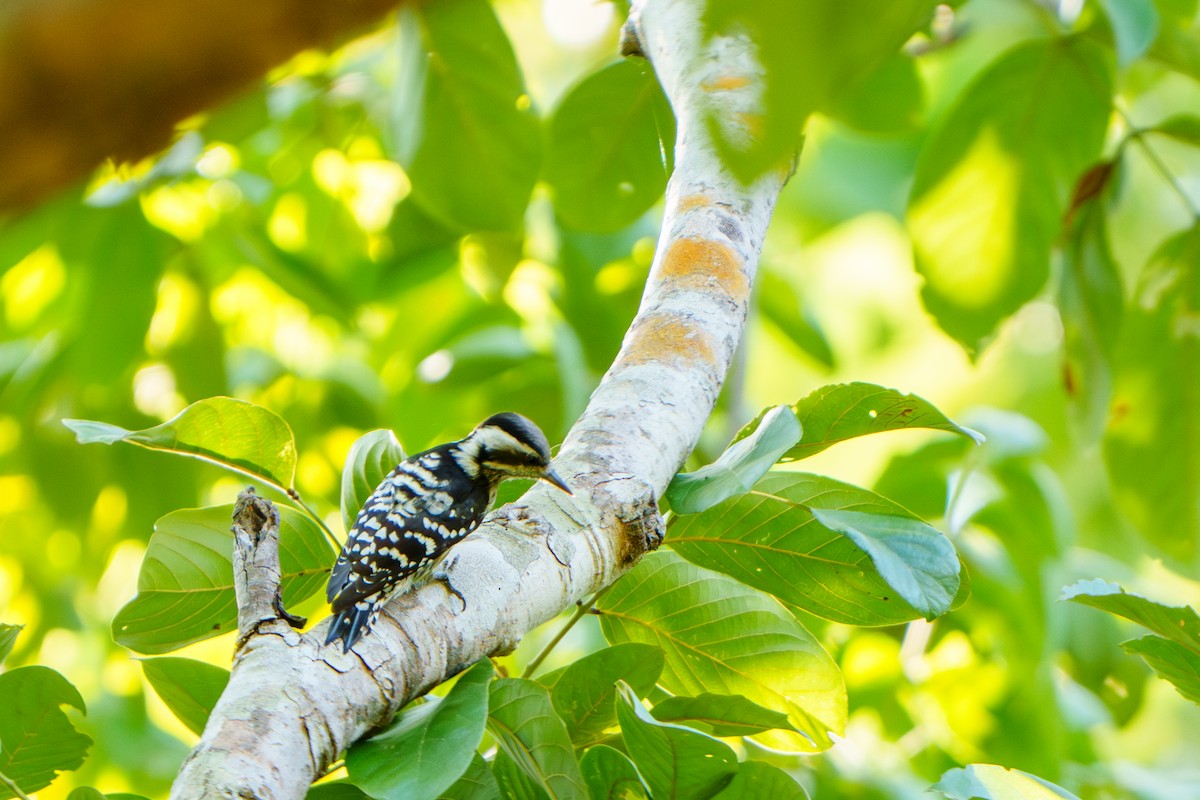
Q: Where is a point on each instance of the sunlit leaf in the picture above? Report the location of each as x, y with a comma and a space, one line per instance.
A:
722, 637
522, 719
189, 688
676, 762
1178, 623
720, 714
610, 775
755, 779
370, 459
781, 304
1152, 446
84, 793
994, 176
583, 695
429, 746
37, 740
466, 131
888, 100
336, 790
739, 467
991, 782
232, 433
8, 638
844, 411
830, 548
609, 138
1184, 127
185, 586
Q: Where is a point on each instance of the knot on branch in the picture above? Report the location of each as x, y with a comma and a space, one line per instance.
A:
643, 531
256, 572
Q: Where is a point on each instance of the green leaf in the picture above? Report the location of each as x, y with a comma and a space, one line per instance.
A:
85, 793
232, 433
369, 461
526, 728
809, 63
610, 775
756, 779
720, 714
1184, 127
185, 586
8, 638
993, 179
1134, 24
1091, 300
429, 746
1178, 623
466, 131
889, 100
583, 695
844, 411
336, 790
1171, 661
189, 688
739, 467
513, 782
991, 782
860, 569
914, 558
676, 762
1152, 446
784, 307
477, 783
610, 148
720, 636
37, 740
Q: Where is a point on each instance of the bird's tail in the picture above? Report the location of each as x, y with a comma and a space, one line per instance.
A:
351, 623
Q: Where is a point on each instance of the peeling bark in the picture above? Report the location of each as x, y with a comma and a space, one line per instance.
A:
292, 706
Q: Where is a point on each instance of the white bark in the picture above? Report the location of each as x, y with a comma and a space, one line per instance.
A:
292, 706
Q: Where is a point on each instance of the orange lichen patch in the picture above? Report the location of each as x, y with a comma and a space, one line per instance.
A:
691, 202
726, 83
704, 265
664, 337
752, 122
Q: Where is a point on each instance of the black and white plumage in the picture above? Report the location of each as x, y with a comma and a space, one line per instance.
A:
425, 505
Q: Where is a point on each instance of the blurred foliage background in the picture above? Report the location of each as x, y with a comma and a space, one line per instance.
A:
278, 252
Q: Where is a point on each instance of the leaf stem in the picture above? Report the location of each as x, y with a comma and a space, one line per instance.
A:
12, 786
1139, 136
581, 610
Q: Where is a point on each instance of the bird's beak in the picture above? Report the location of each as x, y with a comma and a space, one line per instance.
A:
550, 476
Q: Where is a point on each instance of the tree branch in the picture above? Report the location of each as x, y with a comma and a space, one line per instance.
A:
291, 705
256, 572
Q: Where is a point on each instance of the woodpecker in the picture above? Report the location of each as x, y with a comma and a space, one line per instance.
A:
425, 505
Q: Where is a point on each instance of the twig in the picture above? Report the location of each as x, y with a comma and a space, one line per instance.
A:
582, 609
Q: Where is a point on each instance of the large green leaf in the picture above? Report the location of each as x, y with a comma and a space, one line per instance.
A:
993, 179
1134, 25
991, 782
232, 433
189, 688
370, 459
522, 719
739, 467
809, 62
722, 637
336, 790
37, 741
720, 714
466, 131
610, 145
8, 638
185, 586
1179, 623
583, 695
610, 775
429, 746
675, 761
830, 548
844, 411
1152, 447
756, 780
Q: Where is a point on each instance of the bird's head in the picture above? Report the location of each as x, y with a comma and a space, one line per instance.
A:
510, 446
